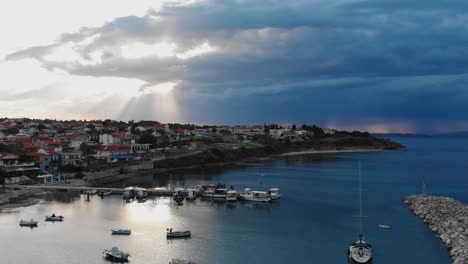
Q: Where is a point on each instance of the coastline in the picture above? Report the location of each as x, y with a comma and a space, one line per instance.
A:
11, 198
327, 151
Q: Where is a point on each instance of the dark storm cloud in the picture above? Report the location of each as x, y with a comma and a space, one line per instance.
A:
389, 60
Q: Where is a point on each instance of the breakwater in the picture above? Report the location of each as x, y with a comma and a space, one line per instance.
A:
448, 218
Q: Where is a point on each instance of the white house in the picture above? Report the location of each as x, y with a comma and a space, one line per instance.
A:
106, 139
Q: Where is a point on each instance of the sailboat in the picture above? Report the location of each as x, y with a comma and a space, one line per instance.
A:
360, 251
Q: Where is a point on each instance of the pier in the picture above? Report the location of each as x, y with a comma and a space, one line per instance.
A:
155, 192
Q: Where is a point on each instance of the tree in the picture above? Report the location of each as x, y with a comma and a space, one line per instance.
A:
294, 127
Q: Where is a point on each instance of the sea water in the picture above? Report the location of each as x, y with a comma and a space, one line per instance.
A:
313, 222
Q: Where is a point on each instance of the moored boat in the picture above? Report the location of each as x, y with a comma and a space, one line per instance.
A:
129, 193
178, 234
216, 193
121, 231
231, 196
54, 218
360, 251
30, 223
254, 196
274, 193
191, 194
115, 254
141, 194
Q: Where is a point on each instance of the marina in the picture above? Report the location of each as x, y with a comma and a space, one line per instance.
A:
319, 200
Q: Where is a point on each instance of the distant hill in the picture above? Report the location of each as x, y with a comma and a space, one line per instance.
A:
452, 134
399, 135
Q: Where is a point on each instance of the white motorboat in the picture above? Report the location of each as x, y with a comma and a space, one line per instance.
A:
274, 193
115, 254
360, 252
54, 218
217, 193
30, 223
254, 196
231, 196
141, 194
191, 194
129, 193
384, 226
121, 231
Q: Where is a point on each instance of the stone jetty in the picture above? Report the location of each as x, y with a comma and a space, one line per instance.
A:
448, 218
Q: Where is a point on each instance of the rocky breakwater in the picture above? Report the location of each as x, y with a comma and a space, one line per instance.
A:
446, 217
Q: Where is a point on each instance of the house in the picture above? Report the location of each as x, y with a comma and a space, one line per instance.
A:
114, 152
45, 160
28, 131
73, 158
8, 159
16, 172
197, 145
106, 139
140, 148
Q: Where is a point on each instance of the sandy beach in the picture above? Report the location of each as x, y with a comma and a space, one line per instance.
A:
327, 151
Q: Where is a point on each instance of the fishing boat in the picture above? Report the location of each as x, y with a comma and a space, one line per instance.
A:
274, 193
54, 218
384, 226
30, 223
129, 193
141, 194
115, 254
360, 251
178, 234
231, 196
254, 196
121, 231
179, 195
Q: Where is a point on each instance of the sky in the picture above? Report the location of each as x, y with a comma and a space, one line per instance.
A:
380, 65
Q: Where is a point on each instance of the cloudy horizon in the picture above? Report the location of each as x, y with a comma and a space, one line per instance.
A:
379, 66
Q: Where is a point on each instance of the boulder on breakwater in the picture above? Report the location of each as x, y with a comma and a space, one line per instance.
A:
448, 218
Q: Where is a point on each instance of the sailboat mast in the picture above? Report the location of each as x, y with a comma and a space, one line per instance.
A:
360, 200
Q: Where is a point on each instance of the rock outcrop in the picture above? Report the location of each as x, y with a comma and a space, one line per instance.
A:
448, 218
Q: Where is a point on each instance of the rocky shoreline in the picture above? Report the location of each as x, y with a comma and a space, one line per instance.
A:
448, 218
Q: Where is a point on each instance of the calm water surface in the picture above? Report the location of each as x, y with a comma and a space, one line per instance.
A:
315, 219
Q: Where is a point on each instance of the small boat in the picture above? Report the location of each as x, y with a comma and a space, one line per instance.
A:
191, 194
178, 234
141, 194
181, 261
129, 193
231, 196
274, 193
179, 196
121, 231
30, 223
115, 254
254, 196
384, 226
93, 192
54, 218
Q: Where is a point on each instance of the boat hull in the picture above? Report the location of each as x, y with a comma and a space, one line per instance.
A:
184, 234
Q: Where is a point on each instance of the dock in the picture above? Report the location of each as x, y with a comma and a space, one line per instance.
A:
155, 192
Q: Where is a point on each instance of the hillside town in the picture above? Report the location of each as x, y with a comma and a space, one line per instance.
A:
42, 151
